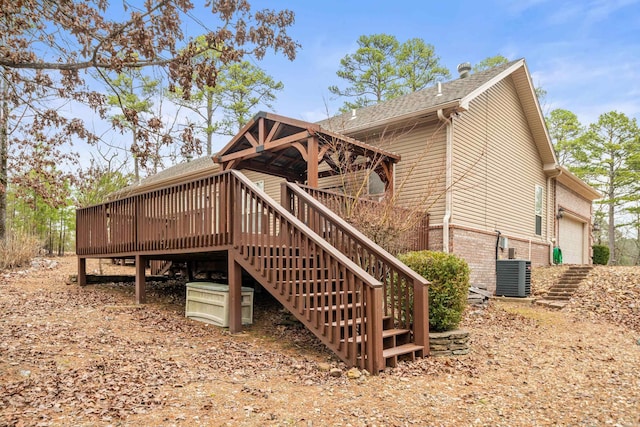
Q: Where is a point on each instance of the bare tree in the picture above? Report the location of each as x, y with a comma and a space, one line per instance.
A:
46, 46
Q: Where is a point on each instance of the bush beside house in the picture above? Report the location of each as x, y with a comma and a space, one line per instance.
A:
600, 254
449, 277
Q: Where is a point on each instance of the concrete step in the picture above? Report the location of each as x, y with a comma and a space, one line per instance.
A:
560, 294
552, 304
558, 298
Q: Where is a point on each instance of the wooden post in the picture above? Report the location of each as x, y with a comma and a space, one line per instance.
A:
82, 271
234, 275
312, 161
285, 201
375, 360
421, 316
389, 169
141, 295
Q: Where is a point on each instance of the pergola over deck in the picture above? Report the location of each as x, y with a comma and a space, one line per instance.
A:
295, 150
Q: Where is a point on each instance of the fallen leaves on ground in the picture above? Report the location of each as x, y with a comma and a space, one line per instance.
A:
88, 356
610, 294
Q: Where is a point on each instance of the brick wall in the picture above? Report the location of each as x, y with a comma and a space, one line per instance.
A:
571, 201
435, 238
479, 249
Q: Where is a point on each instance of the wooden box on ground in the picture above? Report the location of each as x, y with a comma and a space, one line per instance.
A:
209, 302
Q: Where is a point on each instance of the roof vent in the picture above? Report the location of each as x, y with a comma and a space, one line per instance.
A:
353, 114
464, 69
439, 89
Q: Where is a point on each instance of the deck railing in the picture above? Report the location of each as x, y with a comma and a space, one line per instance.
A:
405, 296
416, 238
179, 218
306, 273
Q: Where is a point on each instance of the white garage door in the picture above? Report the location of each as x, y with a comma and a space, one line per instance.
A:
571, 240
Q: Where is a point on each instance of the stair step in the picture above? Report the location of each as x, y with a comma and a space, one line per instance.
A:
386, 333
400, 350
394, 332
558, 297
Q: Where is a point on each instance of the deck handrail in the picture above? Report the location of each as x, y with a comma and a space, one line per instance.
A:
419, 234
363, 240
388, 267
303, 271
309, 233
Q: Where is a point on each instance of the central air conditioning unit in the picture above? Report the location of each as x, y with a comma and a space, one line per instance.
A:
513, 278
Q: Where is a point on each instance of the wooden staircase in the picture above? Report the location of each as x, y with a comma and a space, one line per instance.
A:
366, 306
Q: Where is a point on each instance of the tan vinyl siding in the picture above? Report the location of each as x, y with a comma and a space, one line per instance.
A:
497, 166
271, 183
420, 174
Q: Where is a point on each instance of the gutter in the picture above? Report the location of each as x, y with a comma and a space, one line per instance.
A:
446, 219
395, 119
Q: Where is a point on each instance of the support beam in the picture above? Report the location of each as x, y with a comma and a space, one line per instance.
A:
261, 135
388, 169
312, 161
234, 275
82, 271
278, 144
141, 284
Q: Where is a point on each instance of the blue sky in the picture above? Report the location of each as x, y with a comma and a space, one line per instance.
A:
585, 54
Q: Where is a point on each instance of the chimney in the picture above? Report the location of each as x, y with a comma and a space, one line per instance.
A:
464, 69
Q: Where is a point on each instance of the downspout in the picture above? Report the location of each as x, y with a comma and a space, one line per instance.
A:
446, 220
552, 172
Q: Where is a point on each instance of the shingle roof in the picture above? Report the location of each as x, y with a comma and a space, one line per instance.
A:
181, 169
185, 168
422, 100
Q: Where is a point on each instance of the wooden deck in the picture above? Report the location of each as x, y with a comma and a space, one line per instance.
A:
360, 301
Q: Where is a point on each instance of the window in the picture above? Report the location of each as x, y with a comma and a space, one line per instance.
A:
376, 186
538, 209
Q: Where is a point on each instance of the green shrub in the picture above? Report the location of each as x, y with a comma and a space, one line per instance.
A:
600, 254
449, 277
18, 250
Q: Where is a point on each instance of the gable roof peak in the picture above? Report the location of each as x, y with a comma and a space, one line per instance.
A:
442, 95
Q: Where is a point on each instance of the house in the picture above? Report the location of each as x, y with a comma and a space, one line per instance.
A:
474, 153
477, 152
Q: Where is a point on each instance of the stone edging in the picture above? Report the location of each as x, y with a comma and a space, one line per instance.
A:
450, 343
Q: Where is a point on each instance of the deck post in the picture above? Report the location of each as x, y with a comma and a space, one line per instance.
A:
421, 316
235, 294
141, 295
375, 360
312, 161
82, 271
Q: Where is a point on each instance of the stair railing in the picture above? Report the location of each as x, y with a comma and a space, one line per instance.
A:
304, 270
405, 292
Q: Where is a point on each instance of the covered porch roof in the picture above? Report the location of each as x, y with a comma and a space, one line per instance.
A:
295, 149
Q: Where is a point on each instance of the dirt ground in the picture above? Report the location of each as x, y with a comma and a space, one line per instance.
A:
90, 357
